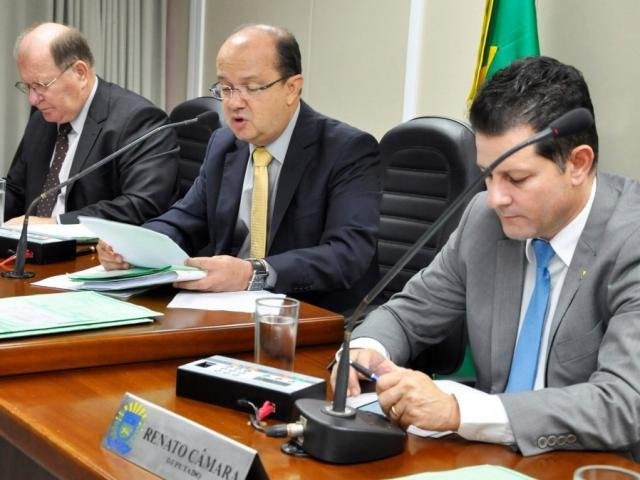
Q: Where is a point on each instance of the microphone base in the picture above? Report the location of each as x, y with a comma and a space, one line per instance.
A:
18, 275
364, 437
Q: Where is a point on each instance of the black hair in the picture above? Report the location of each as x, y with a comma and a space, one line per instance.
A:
534, 91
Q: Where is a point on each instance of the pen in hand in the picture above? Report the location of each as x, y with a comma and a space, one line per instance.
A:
365, 371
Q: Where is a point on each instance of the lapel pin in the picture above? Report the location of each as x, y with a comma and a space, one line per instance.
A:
583, 273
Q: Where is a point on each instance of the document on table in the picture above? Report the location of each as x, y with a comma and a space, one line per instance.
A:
101, 280
477, 472
228, 301
138, 246
63, 312
71, 231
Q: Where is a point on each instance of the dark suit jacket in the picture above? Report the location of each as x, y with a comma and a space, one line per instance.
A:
592, 399
133, 188
322, 238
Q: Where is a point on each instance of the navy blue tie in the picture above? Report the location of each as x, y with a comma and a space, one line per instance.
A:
525, 357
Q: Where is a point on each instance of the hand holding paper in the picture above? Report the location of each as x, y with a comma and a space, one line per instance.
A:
224, 274
137, 245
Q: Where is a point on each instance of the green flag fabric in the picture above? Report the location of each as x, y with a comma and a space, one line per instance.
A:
509, 31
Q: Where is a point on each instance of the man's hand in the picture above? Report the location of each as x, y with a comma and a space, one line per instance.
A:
410, 397
224, 274
109, 259
32, 220
367, 358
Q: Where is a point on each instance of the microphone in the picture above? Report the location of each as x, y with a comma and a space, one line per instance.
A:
209, 119
337, 433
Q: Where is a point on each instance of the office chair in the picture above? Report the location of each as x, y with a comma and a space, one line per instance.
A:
193, 139
427, 162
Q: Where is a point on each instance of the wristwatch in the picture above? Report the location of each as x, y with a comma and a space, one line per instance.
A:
260, 273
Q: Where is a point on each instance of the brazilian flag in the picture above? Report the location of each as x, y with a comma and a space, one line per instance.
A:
509, 32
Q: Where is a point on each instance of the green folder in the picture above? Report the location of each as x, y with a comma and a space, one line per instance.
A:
69, 311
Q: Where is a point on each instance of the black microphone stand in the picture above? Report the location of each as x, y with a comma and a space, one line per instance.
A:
18, 271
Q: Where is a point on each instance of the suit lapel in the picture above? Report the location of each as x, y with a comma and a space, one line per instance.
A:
97, 114
295, 163
235, 165
506, 307
586, 251
42, 154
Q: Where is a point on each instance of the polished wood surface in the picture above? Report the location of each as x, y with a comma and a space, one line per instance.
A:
178, 333
60, 418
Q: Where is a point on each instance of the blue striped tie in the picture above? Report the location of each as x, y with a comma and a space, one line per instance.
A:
525, 357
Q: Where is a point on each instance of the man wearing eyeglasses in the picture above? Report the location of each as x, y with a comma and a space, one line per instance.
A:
315, 237
79, 119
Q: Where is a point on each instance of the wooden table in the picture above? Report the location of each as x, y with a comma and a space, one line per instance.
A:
58, 418
179, 333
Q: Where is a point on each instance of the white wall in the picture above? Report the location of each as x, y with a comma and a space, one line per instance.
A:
353, 52
602, 39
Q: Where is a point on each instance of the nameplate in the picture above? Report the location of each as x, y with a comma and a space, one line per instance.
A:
175, 447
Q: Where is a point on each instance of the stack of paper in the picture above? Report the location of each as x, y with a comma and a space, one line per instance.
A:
62, 312
68, 231
99, 279
156, 260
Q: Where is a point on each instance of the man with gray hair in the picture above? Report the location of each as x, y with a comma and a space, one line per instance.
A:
78, 120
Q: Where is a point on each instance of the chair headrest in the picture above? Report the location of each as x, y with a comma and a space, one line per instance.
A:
192, 108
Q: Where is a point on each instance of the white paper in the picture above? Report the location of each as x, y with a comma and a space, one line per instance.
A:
61, 282
369, 402
170, 276
228, 301
138, 246
68, 231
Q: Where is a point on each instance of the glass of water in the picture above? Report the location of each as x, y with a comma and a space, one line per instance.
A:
276, 327
604, 472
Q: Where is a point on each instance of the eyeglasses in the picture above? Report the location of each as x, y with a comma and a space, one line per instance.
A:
39, 87
224, 91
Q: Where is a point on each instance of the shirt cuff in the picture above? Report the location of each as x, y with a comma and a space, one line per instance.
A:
482, 416
364, 342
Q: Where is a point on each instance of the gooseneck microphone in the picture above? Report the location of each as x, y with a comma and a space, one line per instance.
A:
335, 432
208, 118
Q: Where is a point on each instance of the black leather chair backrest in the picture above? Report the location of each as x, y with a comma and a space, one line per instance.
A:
193, 139
427, 162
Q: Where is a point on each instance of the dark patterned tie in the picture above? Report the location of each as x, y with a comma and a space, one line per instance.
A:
45, 207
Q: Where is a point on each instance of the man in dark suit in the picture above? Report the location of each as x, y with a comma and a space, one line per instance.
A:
323, 182
56, 70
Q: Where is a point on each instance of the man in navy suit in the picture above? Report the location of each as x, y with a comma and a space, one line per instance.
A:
324, 185
55, 65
